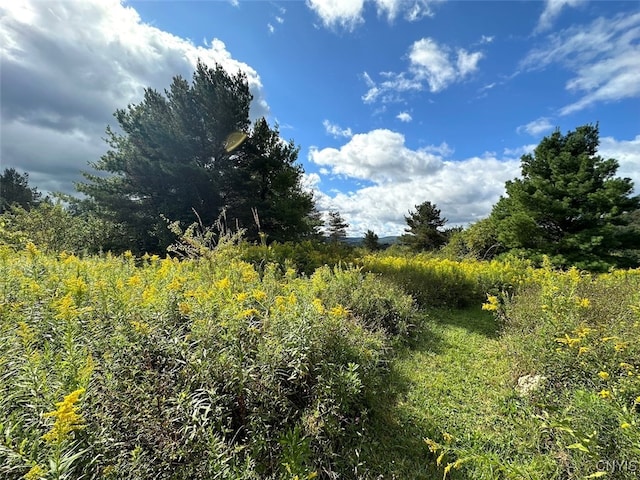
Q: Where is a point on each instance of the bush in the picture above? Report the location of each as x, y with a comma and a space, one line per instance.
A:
581, 332
185, 369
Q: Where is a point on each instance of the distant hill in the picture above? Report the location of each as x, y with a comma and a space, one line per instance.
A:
356, 241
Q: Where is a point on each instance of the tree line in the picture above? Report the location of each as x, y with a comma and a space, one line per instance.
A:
192, 153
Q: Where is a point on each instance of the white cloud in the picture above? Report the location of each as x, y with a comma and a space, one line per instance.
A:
335, 130
271, 28
343, 13
404, 117
465, 190
67, 66
536, 127
603, 56
413, 9
403, 177
379, 155
552, 9
431, 66
627, 152
486, 39
348, 13
519, 151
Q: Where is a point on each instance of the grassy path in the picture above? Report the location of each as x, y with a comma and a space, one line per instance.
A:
454, 378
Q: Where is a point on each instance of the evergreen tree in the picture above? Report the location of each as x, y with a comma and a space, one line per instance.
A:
569, 204
15, 190
371, 241
337, 227
424, 232
172, 160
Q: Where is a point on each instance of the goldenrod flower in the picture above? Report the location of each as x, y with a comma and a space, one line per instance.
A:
317, 304
339, 312
603, 375
492, 303
620, 346
67, 418
625, 425
184, 308
35, 473
241, 297
223, 284
583, 331
584, 303
259, 295
249, 312
604, 393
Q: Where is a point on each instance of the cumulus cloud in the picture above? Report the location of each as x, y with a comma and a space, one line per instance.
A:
627, 152
536, 127
348, 14
335, 130
67, 66
552, 9
431, 66
404, 117
402, 177
464, 189
519, 151
342, 13
603, 57
379, 155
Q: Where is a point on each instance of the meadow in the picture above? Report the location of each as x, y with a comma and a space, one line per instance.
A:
239, 365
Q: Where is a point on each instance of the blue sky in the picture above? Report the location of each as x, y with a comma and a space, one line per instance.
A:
392, 102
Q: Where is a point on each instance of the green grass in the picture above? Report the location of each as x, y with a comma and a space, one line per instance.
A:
454, 378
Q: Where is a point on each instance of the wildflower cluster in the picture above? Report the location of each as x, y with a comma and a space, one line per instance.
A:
182, 360
582, 333
67, 418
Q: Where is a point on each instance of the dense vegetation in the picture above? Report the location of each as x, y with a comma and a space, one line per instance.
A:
211, 367
245, 346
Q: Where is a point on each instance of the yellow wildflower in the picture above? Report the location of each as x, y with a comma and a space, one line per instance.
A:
66, 417
569, 341
491, 304
447, 437
620, 346
141, 327
317, 304
32, 249
583, 331
339, 311
582, 350
259, 295
606, 339
292, 300
241, 297
625, 425
223, 284
604, 393
249, 312
434, 447
638, 400
584, 303
35, 473
603, 375
134, 281
184, 308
